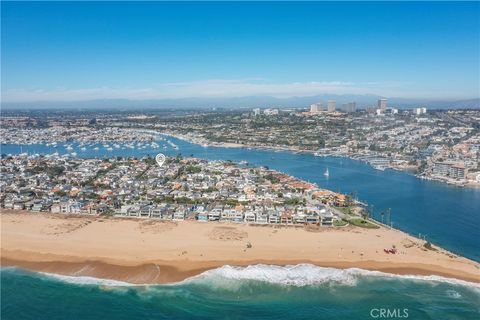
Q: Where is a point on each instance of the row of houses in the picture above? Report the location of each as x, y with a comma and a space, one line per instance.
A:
318, 214
65, 207
315, 215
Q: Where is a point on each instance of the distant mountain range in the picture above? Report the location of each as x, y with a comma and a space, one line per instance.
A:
246, 102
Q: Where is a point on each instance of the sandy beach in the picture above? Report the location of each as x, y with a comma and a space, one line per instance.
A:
152, 251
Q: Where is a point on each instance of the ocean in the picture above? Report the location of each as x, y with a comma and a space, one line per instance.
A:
255, 292
447, 216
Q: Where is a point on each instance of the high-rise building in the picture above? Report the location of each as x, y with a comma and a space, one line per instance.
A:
331, 105
316, 107
382, 104
270, 112
419, 111
350, 107
256, 111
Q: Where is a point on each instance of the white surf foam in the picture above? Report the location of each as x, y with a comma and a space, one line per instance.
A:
308, 274
290, 275
295, 275
84, 280
453, 294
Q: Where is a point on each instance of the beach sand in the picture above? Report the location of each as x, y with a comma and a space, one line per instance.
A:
152, 251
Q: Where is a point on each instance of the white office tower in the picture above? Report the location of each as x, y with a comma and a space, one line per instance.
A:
350, 107
419, 111
316, 107
382, 104
270, 112
256, 111
331, 105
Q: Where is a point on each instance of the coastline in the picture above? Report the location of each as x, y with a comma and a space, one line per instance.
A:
207, 143
157, 252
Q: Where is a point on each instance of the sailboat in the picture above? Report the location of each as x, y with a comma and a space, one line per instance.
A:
326, 173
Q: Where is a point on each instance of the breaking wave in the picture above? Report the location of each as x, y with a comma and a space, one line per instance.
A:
84, 280
307, 275
299, 275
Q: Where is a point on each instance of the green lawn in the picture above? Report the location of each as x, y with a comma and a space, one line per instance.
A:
346, 210
359, 222
339, 223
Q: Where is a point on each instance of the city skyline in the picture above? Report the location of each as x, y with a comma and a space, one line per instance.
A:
87, 51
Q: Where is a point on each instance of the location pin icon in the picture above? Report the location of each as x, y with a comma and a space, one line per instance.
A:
160, 159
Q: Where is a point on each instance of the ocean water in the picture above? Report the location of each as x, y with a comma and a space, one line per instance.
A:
255, 292
446, 215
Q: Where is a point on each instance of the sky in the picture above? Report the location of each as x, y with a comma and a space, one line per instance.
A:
56, 51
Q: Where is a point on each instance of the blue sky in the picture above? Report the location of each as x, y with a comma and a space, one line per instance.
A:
81, 51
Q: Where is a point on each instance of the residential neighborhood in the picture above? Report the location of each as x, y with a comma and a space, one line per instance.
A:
183, 188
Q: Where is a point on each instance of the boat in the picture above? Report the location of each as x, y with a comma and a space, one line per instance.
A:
318, 154
326, 173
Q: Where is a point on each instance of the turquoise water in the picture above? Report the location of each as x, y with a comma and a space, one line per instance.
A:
228, 293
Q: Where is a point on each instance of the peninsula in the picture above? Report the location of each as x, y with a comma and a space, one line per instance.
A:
153, 251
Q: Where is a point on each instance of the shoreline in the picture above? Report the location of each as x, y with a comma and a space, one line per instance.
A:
207, 143
171, 272
140, 251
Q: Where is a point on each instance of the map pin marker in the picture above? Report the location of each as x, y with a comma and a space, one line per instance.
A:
160, 159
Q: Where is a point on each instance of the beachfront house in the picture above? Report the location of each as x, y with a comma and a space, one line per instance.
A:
313, 218
75, 208
202, 216
144, 212
286, 218
156, 212
326, 218
133, 211
179, 214
19, 205
167, 214
40, 206
232, 215
298, 218
250, 217
55, 208
8, 203
215, 214
262, 218
273, 217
